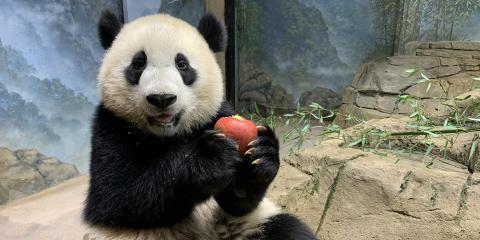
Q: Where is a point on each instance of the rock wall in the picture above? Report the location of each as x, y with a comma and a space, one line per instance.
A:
345, 193
376, 86
26, 171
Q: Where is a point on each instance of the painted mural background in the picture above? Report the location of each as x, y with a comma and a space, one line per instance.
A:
49, 59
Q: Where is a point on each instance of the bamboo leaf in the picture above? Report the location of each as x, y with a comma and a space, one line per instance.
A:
429, 150
354, 143
472, 149
424, 76
411, 72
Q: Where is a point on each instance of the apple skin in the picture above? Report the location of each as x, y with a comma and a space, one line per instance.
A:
238, 128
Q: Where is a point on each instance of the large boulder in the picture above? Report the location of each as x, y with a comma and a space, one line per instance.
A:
26, 171
256, 87
327, 98
345, 193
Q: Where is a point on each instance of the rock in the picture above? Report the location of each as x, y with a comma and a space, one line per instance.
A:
57, 173
4, 195
7, 158
348, 95
379, 76
258, 88
441, 45
448, 53
374, 90
459, 84
468, 102
351, 194
365, 101
470, 68
414, 62
450, 61
26, 171
411, 48
30, 156
382, 103
469, 62
50, 160
438, 89
22, 180
280, 99
436, 109
458, 148
473, 46
446, 71
327, 98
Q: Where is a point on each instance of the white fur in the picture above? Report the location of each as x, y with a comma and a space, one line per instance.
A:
207, 222
162, 37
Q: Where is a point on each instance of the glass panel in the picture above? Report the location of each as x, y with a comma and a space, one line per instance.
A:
188, 10
299, 51
49, 59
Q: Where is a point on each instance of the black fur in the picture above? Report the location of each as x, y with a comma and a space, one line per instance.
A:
134, 71
188, 73
284, 227
108, 28
214, 32
141, 181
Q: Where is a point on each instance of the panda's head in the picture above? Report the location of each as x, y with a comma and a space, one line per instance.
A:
160, 73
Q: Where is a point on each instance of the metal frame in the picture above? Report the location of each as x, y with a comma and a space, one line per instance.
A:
231, 63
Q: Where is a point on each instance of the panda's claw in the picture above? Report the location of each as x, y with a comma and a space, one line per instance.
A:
250, 151
221, 135
252, 143
261, 128
257, 161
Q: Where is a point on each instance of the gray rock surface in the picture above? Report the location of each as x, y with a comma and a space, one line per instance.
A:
26, 171
376, 86
257, 87
344, 193
327, 98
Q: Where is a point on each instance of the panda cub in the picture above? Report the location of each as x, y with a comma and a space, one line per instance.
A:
158, 169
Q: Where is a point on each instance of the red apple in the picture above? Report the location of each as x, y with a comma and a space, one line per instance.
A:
239, 128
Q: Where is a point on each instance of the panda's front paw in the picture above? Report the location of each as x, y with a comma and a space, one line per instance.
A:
262, 157
220, 158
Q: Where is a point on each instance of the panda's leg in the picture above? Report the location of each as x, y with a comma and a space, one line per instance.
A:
284, 227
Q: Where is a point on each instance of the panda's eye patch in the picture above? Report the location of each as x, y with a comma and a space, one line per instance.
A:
139, 61
134, 71
181, 62
188, 73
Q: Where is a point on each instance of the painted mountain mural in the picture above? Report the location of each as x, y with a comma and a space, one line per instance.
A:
49, 59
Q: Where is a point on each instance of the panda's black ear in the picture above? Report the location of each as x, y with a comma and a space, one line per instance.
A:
214, 31
108, 28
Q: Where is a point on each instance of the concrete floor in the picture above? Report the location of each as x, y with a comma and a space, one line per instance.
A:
49, 215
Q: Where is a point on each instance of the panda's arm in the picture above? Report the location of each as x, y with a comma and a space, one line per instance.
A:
126, 191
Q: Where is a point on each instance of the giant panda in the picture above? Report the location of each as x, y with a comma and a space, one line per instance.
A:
158, 170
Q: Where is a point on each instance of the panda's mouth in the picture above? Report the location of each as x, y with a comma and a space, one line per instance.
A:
165, 119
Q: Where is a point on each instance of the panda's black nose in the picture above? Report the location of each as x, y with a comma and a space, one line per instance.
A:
161, 100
